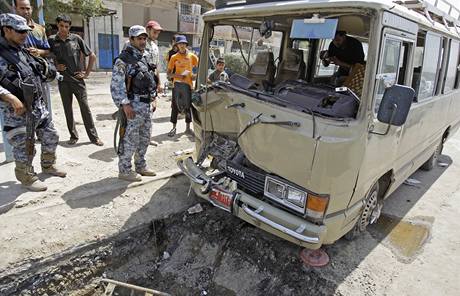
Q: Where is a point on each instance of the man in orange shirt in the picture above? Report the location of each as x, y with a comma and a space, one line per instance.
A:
184, 64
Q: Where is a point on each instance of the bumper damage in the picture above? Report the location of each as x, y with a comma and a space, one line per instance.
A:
224, 194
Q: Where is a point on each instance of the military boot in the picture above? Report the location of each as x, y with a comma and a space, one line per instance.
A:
48, 161
131, 177
146, 172
28, 178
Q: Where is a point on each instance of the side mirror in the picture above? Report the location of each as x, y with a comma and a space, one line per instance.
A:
395, 106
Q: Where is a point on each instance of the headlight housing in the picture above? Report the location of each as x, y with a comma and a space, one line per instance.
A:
304, 202
296, 197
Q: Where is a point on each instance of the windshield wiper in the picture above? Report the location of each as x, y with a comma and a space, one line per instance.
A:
257, 120
288, 123
251, 122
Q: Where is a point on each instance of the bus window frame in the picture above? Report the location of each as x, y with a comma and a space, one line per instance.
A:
393, 34
456, 71
438, 71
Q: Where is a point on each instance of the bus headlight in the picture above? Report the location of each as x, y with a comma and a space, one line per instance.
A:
296, 197
306, 203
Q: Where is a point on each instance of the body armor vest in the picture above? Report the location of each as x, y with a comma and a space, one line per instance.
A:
24, 67
143, 81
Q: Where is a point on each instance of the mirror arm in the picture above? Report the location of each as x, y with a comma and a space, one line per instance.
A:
389, 124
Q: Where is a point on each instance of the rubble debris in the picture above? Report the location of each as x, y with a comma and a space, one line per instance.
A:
166, 255
183, 151
195, 209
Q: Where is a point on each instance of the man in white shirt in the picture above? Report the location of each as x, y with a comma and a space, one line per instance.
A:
152, 53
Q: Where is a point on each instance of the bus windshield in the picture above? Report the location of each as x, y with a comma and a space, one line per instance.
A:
309, 62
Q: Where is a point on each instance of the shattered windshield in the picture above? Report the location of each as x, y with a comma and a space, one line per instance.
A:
310, 63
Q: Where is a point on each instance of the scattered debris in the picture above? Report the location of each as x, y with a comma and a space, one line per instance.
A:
195, 209
166, 255
184, 151
412, 182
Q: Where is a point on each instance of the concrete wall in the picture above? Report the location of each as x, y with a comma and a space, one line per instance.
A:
140, 15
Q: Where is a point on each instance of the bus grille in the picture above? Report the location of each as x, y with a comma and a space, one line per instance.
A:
247, 179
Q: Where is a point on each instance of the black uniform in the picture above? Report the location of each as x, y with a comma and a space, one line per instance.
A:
69, 52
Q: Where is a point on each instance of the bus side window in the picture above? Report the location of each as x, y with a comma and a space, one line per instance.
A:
430, 66
457, 79
452, 66
406, 48
443, 59
418, 61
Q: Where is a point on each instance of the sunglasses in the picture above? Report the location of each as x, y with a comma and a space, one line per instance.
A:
21, 31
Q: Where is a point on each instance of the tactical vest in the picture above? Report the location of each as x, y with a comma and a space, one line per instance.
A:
21, 67
140, 79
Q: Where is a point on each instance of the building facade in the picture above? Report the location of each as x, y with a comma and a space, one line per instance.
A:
175, 17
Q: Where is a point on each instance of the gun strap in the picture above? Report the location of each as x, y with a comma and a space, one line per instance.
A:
23, 66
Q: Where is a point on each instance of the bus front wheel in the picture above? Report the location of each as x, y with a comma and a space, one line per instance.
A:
369, 214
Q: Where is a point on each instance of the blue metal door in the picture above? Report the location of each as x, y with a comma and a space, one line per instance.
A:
105, 50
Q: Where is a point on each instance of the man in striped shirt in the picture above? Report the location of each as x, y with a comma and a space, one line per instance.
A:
37, 42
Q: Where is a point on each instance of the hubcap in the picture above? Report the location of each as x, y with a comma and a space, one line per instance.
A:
371, 211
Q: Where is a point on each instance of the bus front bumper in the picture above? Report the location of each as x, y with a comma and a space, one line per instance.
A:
255, 211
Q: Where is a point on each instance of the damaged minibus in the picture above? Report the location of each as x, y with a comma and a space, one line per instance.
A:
288, 147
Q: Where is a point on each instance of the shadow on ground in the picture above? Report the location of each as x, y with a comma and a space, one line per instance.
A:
78, 144
164, 138
106, 155
9, 192
161, 119
109, 116
89, 196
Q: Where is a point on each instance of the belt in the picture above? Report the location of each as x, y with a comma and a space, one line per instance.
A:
141, 98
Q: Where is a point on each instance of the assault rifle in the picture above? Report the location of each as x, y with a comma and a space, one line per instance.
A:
28, 91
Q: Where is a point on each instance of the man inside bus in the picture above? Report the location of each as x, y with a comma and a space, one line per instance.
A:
344, 51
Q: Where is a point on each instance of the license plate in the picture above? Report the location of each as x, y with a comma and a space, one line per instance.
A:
221, 199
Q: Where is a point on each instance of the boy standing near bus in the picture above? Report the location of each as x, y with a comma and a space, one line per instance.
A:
219, 73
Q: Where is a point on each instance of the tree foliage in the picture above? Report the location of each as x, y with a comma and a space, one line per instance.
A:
86, 8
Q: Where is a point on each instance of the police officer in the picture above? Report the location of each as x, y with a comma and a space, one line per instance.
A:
133, 89
17, 66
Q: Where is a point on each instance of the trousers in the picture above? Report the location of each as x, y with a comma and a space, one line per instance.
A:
136, 139
181, 102
67, 89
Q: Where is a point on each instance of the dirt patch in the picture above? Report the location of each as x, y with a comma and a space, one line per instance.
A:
206, 253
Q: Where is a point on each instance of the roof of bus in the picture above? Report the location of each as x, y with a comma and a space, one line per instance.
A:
296, 5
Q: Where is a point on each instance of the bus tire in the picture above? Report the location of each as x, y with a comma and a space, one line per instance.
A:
433, 160
369, 214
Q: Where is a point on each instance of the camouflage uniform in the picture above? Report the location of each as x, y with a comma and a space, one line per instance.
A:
138, 130
15, 125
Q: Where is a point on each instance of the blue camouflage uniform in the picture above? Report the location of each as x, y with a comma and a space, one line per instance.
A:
15, 125
138, 130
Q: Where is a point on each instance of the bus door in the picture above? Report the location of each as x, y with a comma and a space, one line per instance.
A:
395, 66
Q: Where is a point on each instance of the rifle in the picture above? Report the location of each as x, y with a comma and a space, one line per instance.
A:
122, 122
29, 96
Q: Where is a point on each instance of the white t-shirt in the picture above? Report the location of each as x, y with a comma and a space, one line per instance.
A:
152, 53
